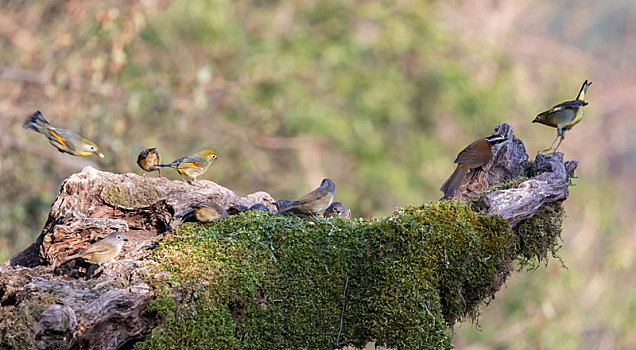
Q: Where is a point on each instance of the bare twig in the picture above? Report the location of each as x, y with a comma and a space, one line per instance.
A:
344, 303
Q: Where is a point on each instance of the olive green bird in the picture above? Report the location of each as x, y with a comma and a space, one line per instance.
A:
65, 141
103, 250
193, 165
208, 211
564, 116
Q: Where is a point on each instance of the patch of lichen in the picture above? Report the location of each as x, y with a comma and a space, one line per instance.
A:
260, 281
16, 321
137, 195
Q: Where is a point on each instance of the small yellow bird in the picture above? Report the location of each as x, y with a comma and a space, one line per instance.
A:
64, 140
193, 165
148, 159
564, 116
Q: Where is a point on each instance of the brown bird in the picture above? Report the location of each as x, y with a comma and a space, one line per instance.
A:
148, 159
208, 211
337, 209
103, 250
314, 202
473, 156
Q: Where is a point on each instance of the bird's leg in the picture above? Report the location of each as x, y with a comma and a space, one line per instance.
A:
159, 170
553, 142
559, 144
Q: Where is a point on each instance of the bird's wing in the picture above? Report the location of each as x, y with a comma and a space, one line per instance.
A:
475, 153
311, 196
97, 248
567, 105
191, 161
55, 136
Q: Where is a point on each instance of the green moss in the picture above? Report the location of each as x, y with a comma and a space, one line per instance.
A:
259, 281
139, 194
540, 235
16, 321
507, 184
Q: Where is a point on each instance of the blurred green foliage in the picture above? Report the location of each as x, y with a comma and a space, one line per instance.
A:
286, 93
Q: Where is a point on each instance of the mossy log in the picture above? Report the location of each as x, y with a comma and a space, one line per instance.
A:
265, 281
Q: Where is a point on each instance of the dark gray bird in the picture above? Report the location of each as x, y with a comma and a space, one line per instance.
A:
236, 209
337, 209
282, 204
314, 202
259, 206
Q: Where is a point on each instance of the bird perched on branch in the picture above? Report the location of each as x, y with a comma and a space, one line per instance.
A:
65, 141
314, 202
564, 116
148, 159
103, 250
193, 165
473, 156
337, 209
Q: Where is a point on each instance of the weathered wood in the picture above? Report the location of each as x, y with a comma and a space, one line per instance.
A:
92, 204
549, 177
549, 184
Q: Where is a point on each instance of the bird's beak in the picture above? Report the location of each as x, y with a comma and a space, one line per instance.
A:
125, 239
99, 154
534, 121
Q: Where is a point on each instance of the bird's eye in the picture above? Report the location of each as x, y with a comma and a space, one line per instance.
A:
118, 237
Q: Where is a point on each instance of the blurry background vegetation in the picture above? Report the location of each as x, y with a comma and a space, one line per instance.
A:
379, 96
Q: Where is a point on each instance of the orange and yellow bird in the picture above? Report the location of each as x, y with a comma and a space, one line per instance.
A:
193, 165
65, 141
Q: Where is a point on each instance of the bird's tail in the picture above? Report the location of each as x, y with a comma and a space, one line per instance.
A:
169, 165
71, 257
36, 122
452, 184
583, 91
